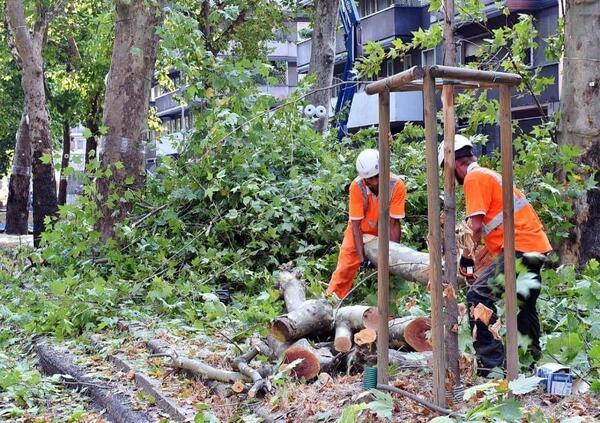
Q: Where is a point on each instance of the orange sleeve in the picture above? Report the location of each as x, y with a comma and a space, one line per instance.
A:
398, 201
478, 195
356, 210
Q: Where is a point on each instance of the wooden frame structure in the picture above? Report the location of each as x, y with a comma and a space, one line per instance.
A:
428, 80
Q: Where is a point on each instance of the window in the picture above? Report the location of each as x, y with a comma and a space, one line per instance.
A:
389, 68
406, 62
428, 57
368, 7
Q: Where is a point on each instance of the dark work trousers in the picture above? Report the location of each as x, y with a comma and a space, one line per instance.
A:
487, 289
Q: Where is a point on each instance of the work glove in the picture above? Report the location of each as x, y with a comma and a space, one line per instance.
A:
367, 264
466, 267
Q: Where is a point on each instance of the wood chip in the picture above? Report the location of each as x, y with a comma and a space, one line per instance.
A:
365, 336
238, 386
474, 333
483, 313
495, 330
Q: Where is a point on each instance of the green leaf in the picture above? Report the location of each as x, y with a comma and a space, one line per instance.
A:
46, 158
510, 410
484, 387
383, 405
87, 133
524, 385
351, 413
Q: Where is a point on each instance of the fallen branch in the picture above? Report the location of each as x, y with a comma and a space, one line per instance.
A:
415, 398
242, 365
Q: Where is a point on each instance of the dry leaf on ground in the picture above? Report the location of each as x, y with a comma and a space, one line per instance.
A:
483, 313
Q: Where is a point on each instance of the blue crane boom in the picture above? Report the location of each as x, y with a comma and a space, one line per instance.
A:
352, 40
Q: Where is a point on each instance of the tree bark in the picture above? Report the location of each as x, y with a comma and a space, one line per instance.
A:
64, 162
450, 271
29, 47
406, 263
126, 107
312, 317
91, 122
580, 120
17, 213
322, 55
292, 290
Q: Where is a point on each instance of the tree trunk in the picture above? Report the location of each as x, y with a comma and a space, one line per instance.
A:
91, 122
17, 213
580, 120
406, 263
311, 318
29, 48
126, 108
322, 55
64, 162
450, 271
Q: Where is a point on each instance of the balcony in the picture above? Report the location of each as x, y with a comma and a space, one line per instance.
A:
166, 104
404, 107
396, 21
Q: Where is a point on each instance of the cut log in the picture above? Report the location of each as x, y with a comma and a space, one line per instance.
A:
292, 290
313, 361
205, 371
350, 319
410, 332
405, 262
365, 337
312, 317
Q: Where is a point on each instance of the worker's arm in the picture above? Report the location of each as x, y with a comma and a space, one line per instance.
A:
358, 240
395, 230
476, 225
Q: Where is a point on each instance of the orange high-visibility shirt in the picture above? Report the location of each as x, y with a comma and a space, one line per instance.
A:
369, 215
483, 196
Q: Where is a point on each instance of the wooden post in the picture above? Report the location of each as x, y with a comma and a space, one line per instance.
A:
383, 260
450, 272
512, 347
395, 81
434, 240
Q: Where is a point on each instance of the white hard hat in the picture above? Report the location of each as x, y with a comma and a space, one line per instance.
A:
367, 163
460, 141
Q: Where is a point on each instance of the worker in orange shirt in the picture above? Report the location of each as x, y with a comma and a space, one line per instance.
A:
483, 198
363, 217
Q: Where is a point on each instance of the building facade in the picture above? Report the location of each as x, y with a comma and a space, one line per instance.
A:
385, 20
177, 117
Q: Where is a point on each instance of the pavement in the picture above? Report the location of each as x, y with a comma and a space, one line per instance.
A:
13, 241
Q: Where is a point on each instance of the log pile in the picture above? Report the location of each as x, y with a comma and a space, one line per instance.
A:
309, 339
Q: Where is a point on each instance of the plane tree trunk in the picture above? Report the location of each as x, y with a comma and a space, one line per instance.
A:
580, 120
29, 48
126, 108
17, 213
322, 55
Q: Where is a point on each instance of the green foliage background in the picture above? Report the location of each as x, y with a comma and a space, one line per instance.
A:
254, 187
